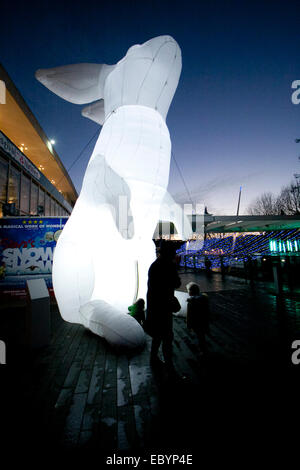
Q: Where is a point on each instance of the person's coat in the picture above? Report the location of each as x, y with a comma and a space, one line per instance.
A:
163, 279
198, 314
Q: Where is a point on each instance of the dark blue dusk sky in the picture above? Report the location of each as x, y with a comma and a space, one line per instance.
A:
231, 122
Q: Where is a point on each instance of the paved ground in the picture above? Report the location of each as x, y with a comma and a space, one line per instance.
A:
80, 395
213, 282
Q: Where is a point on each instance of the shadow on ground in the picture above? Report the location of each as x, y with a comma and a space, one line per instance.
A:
80, 396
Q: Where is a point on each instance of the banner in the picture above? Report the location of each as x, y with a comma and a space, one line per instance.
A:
10, 148
26, 251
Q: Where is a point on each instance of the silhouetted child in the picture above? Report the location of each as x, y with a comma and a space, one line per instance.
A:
198, 314
137, 310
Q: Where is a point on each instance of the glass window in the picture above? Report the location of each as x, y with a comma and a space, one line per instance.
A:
25, 193
34, 199
47, 205
14, 186
3, 179
56, 209
42, 200
52, 211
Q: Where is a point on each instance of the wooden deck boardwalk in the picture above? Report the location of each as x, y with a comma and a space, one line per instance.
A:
81, 394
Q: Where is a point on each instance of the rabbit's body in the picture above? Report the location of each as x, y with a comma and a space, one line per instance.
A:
95, 257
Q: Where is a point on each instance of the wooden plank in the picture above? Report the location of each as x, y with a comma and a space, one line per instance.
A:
88, 395
124, 395
183, 359
110, 373
122, 366
73, 421
108, 424
91, 353
97, 378
64, 342
144, 398
83, 381
127, 435
91, 418
83, 348
86, 440
72, 375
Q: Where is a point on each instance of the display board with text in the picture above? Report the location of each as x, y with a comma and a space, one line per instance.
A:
26, 251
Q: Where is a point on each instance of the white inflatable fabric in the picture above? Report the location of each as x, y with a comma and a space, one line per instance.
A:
104, 320
97, 260
182, 298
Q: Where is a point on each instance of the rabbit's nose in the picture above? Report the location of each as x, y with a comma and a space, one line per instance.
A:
41, 75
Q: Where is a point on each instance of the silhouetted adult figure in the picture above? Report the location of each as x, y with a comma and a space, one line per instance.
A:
163, 279
208, 266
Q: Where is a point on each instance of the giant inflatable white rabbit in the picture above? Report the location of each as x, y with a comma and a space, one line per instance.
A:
100, 268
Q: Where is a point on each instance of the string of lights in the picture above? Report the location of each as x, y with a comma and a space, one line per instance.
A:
238, 249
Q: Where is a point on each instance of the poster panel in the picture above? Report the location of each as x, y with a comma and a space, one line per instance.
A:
26, 251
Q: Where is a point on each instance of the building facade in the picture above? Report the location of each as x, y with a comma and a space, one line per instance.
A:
33, 180
24, 190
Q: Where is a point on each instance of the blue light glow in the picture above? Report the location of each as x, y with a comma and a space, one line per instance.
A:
238, 249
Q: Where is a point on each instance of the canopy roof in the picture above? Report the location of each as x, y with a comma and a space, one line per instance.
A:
250, 223
20, 125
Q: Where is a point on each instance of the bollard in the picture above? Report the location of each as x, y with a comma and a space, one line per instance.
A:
38, 330
277, 279
2, 352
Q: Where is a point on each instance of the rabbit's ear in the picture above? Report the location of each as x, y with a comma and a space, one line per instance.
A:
95, 112
78, 83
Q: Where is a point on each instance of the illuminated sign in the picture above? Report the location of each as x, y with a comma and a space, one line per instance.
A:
286, 246
26, 250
